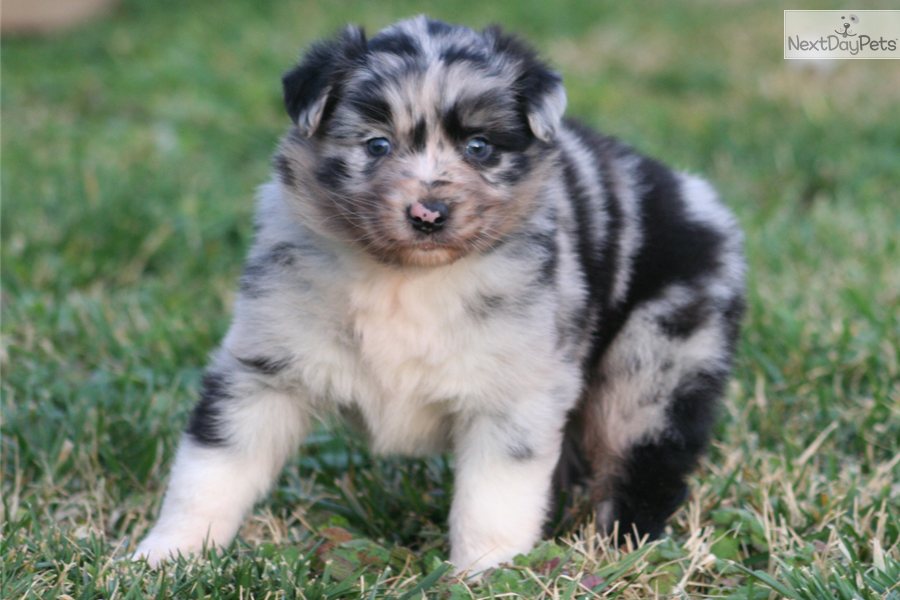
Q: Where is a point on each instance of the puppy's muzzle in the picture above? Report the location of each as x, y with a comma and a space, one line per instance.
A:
427, 216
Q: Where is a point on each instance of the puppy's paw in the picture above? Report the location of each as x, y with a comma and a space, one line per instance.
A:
473, 565
157, 548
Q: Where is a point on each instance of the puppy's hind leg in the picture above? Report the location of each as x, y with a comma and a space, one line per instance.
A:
240, 434
651, 416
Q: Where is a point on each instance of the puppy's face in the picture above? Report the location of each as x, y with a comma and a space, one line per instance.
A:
422, 145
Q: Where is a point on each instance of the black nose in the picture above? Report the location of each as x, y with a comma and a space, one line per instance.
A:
428, 216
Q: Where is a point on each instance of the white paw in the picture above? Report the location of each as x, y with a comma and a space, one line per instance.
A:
472, 566
157, 548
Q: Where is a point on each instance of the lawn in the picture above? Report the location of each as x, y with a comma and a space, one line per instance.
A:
130, 152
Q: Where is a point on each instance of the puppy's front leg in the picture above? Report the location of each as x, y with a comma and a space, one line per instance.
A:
502, 488
239, 437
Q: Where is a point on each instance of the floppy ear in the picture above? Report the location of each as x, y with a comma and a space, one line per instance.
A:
308, 86
538, 87
545, 103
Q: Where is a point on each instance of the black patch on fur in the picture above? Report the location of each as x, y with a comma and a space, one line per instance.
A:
547, 269
514, 138
371, 107
520, 451
513, 135
548, 255
602, 263
515, 438
371, 166
485, 305
519, 167
436, 28
605, 155
204, 424
493, 100
395, 42
453, 126
283, 254
483, 163
652, 485
586, 243
251, 278
265, 365
677, 249
459, 53
419, 135
685, 319
284, 170
332, 172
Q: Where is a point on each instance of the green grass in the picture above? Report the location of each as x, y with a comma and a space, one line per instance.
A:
130, 152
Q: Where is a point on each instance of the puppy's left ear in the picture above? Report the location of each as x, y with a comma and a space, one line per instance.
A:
537, 85
545, 103
308, 86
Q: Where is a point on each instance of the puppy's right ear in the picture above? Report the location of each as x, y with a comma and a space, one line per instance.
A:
308, 86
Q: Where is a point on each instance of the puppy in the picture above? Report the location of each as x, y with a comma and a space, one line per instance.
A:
442, 255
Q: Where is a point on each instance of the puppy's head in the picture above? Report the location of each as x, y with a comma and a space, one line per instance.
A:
422, 145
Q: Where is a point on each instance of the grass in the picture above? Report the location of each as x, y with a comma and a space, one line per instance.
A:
130, 150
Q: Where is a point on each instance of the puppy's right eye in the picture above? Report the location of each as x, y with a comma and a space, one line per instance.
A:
378, 146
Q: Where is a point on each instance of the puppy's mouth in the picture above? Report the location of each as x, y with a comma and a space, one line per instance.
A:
430, 257
430, 243
434, 243
425, 250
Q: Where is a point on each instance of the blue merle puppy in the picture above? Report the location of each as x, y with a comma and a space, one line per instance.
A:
443, 256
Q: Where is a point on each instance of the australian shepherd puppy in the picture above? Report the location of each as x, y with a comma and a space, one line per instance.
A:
443, 256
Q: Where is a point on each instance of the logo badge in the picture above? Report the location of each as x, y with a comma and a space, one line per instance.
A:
836, 34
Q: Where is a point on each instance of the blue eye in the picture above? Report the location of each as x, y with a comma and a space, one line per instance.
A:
478, 148
378, 146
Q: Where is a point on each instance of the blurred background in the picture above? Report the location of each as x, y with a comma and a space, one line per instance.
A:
133, 139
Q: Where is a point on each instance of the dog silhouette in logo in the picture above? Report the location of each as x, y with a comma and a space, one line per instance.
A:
847, 21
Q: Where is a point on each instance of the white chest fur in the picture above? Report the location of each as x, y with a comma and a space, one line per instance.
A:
411, 351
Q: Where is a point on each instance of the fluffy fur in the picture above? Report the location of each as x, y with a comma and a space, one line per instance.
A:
571, 323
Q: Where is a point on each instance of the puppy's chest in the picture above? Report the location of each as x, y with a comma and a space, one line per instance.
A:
417, 341
404, 343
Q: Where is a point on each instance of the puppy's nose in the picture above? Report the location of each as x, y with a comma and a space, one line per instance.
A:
428, 216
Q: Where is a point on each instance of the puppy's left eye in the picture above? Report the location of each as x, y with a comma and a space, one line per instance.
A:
378, 146
478, 148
